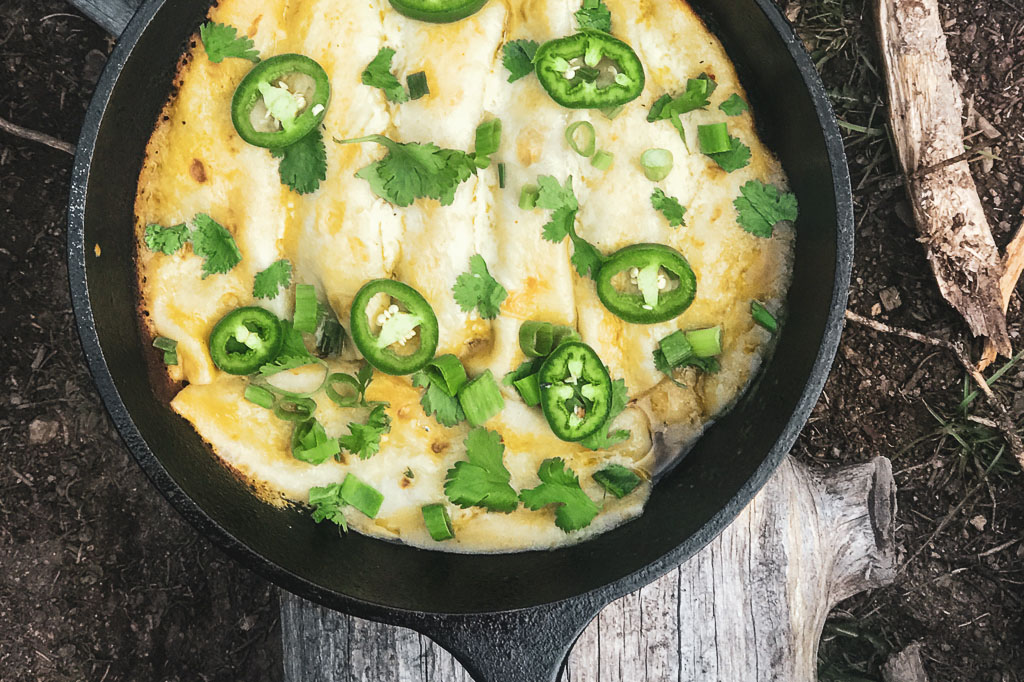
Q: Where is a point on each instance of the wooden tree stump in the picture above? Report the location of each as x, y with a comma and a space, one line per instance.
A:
749, 607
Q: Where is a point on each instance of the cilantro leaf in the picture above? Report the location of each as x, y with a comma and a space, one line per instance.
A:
445, 408
562, 200
519, 58
221, 41
327, 505
167, 240
737, 157
669, 108
585, 256
669, 207
483, 480
761, 207
477, 289
215, 245
594, 14
603, 438
734, 106
412, 171
268, 283
364, 439
303, 164
293, 352
559, 485
378, 75
617, 479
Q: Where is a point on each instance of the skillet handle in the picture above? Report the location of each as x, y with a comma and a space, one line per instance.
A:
531, 645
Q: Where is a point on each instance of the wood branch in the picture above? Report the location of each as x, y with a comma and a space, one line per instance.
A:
112, 15
34, 136
1013, 267
750, 606
925, 110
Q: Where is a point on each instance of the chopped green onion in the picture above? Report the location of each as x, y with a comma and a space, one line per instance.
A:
481, 399
528, 197
529, 389
763, 317
563, 334
657, 164
501, 175
438, 523
347, 400
363, 497
332, 338
418, 86
602, 160
306, 310
315, 379
522, 371
169, 347
294, 409
617, 479
447, 373
676, 348
536, 338
259, 396
310, 443
714, 138
707, 343
488, 140
165, 344
611, 113
588, 145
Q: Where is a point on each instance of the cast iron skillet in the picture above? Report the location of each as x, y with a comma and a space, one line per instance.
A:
509, 618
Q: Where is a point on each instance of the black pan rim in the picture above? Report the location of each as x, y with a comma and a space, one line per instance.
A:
190, 510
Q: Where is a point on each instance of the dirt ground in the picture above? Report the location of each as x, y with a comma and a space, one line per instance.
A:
101, 580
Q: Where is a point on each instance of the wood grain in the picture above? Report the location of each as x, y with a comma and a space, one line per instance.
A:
113, 15
750, 606
925, 110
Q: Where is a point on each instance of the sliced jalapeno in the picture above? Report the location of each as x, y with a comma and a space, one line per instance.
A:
404, 316
280, 101
246, 339
646, 283
575, 391
438, 11
590, 70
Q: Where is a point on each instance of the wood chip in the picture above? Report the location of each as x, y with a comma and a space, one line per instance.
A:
890, 298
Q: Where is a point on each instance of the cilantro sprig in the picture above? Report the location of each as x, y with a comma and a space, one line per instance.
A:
594, 14
269, 282
761, 207
328, 504
214, 244
303, 163
669, 207
696, 96
414, 170
482, 480
518, 58
561, 200
734, 105
560, 486
736, 158
293, 352
477, 289
167, 240
222, 41
444, 408
378, 75
364, 439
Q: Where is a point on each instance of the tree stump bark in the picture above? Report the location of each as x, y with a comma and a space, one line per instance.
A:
749, 607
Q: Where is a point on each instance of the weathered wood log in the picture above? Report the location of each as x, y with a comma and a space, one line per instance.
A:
113, 15
1013, 268
925, 110
905, 666
750, 606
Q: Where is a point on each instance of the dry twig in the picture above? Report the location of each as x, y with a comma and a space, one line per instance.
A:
1003, 419
34, 136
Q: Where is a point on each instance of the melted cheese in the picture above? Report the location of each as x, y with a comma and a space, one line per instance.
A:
342, 235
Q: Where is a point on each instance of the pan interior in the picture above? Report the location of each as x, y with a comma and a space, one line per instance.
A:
687, 507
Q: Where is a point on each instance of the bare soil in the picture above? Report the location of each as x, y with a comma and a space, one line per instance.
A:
101, 580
